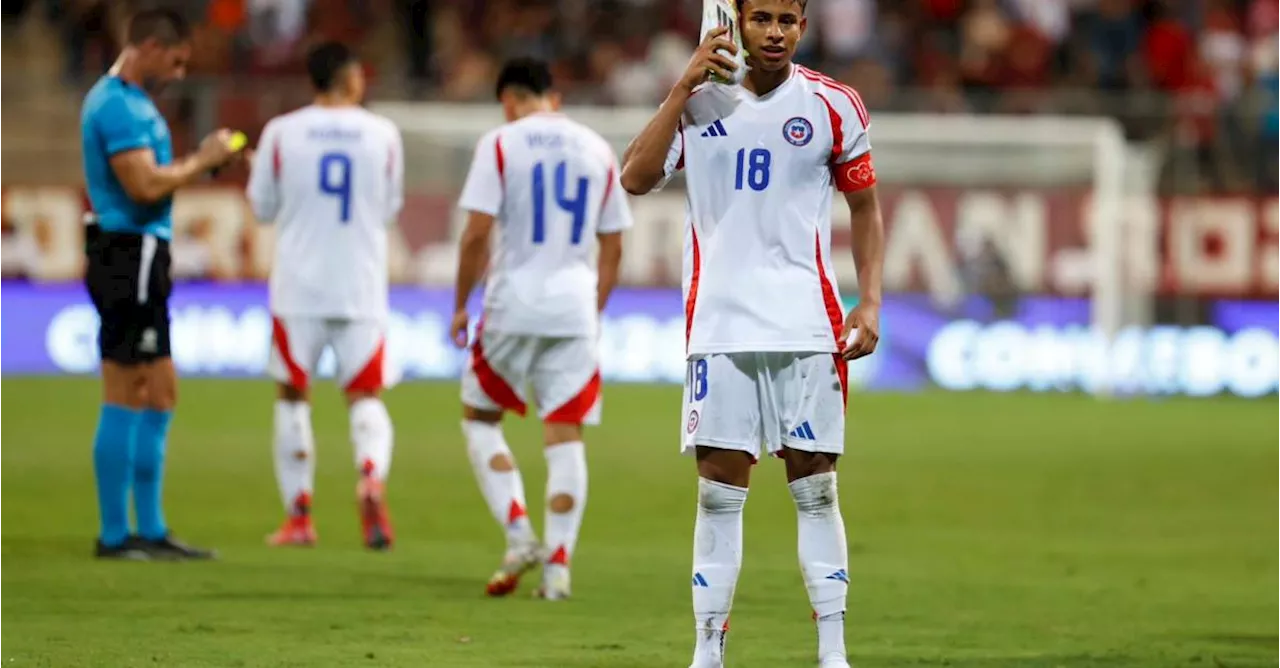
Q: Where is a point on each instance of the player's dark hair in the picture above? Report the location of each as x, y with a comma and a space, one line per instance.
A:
325, 61
527, 74
166, 26
802, 4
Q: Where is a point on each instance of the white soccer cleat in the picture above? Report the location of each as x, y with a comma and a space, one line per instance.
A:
555, 583
515, 563
834, 661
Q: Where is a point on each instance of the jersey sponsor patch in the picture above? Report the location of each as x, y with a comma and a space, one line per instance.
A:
798, 130
856, 174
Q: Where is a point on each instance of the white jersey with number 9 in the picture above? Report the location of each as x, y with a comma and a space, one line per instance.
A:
552, 186
332, 180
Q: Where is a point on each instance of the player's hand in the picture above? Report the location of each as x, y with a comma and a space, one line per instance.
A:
215, 149
707, 59
864, 324
458, 329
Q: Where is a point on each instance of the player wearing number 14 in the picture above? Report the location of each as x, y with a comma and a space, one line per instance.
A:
331, 178
550, 186
767, 337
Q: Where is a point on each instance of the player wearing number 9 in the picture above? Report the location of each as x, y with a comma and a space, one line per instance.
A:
331, 178
551, 186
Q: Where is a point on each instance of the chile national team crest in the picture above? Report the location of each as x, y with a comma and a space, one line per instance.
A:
798, 131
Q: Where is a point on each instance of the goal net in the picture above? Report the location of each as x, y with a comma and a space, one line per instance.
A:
1005, 259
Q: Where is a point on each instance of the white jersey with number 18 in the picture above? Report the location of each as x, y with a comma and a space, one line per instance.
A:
332, 180
760, 170
552, 185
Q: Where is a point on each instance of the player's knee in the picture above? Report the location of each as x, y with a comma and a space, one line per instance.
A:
555, 433
802, 464
560, 503
355, 396
501, 463
472, 414
287, 392
815, 494
719, 498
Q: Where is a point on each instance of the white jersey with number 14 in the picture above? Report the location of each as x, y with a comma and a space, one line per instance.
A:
552, 186
332, 180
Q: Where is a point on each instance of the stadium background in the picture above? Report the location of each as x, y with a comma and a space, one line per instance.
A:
1177, 492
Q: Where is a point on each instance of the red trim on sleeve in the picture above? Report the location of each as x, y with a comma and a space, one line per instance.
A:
608, 188
502, 163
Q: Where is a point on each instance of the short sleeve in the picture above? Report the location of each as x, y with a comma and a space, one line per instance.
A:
263, 190
851, 166
615, 213
121, 127
675, 157
395, 174
482, 192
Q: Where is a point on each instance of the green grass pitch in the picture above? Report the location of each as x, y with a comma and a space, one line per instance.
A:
985, 530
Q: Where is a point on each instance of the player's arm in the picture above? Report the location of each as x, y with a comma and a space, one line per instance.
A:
263, 190
615, 217
868, 256
126, 135
395, 162
646, 161
482, 200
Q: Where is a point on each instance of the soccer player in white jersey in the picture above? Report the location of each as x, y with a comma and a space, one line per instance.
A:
766, 344
331, 177
550, 188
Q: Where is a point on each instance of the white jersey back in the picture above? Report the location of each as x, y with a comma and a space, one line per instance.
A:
552, 185
332, 180
757, 266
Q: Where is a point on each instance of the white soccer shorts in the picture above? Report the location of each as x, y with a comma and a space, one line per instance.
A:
746, 401
359, 348
564, 373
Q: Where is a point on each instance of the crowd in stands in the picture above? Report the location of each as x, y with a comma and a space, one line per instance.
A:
1200, 75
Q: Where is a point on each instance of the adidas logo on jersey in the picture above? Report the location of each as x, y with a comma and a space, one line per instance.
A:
803, 432
716, 129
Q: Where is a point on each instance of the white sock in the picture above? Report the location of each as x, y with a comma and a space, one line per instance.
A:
372, 435
502, 490
824, 557
295, 453
717, 559
567, 475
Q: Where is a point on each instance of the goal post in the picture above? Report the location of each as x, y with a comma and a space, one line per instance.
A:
1047, 193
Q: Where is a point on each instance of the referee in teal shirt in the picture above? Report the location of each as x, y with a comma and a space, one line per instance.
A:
131, 177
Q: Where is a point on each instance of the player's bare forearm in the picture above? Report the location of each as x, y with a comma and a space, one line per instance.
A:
473, 256
146, 182
609, 260
645, 158
868, 243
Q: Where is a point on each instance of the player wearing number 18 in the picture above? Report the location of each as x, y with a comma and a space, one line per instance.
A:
551, 186
767, 347
331, 178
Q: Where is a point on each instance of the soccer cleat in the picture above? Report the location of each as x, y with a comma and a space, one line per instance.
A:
555, 583
374, 520
515, 563
172, 549
297, 531
130, 550
834, 661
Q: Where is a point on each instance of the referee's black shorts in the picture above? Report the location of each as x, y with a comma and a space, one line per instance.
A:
128, 280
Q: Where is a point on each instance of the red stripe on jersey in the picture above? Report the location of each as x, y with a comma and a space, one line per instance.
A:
502, 163
680, 161
837, 129
280, 338
834, 313
494, 386
854, 99
575, 410
691, 301
276, 160
370, 377
608, 188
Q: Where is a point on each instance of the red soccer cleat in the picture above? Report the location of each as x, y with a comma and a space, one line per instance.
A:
297, 529
374, 520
